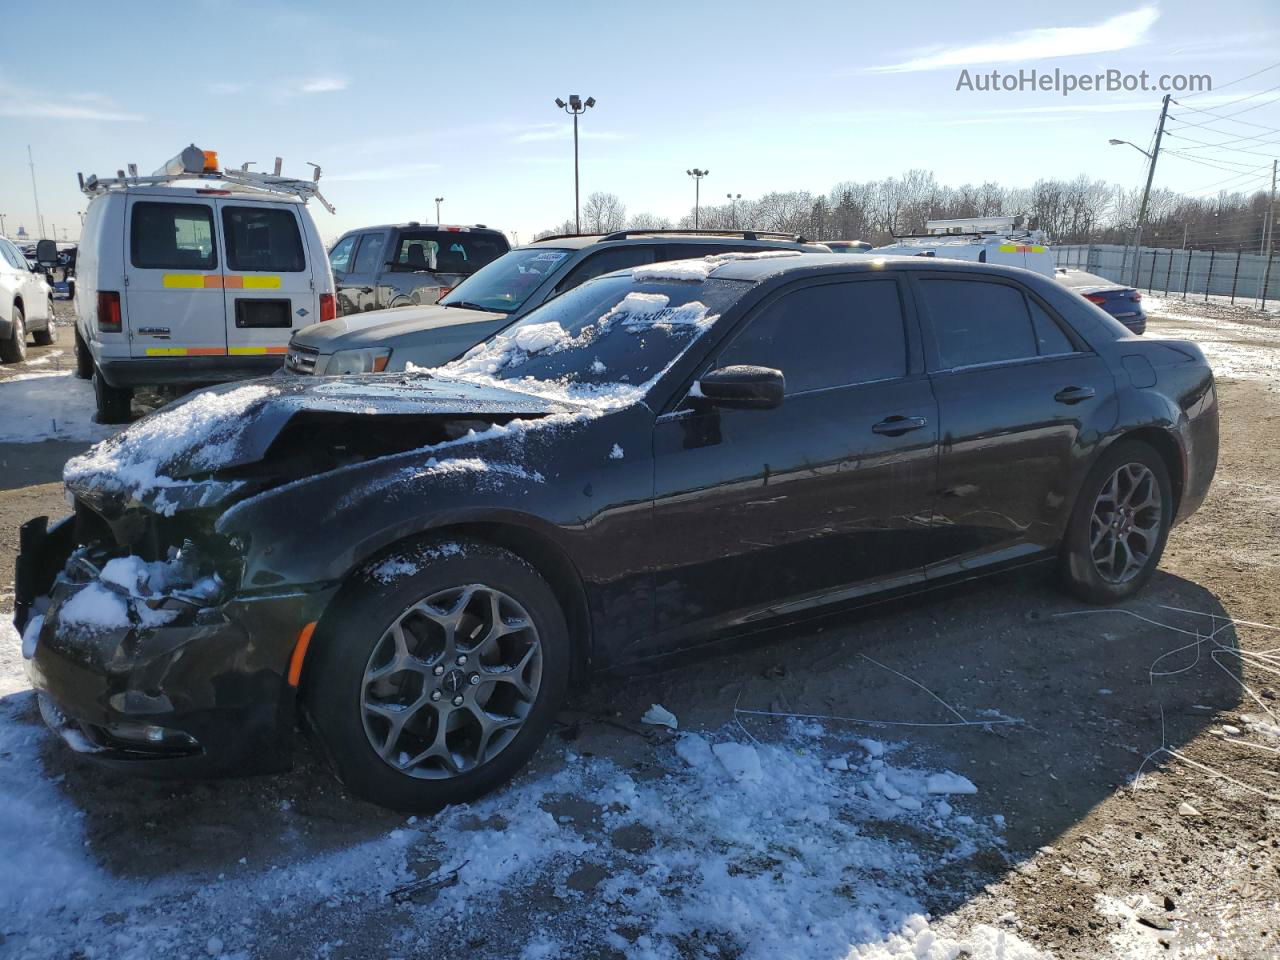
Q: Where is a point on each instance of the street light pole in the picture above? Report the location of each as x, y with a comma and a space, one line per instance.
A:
576, 106
733, 209
697, 183
1146, 192
439, 200
1, 224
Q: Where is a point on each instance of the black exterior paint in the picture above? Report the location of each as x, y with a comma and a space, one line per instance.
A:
714, 522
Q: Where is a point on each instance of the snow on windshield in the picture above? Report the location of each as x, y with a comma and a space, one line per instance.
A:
700, 268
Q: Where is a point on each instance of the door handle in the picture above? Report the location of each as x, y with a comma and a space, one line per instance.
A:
1074, 394
366, 289
896, 426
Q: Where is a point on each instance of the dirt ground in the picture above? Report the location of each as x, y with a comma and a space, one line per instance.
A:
1179, 862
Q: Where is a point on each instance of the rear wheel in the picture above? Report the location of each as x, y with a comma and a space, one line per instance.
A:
14, 350
1119, 526
84, 359
437, 686
113, 403
49, 334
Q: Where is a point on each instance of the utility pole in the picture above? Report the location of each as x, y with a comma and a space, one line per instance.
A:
1146, 192
35, 193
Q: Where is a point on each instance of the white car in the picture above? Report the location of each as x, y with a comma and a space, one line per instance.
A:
26, 305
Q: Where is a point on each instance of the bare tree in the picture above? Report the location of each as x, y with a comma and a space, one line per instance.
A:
648, 221
603, 213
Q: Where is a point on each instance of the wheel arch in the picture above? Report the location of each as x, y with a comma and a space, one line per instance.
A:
1166, 444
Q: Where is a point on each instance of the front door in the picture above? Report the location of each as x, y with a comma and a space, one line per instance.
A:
766, 512
358, 288
1018, 396
173, 277
266, 279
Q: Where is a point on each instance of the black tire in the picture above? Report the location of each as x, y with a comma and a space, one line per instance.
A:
1123, 540
49, 335
84, 359
14, 350
113, 403
350, 640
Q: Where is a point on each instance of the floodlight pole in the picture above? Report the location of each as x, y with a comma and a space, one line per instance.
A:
574, 107
439, 200
733, 209
697, 175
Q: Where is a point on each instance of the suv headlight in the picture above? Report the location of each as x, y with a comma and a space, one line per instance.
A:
368, 360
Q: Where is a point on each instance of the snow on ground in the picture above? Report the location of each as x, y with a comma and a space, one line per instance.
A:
48, 406
1232, 347
734, 848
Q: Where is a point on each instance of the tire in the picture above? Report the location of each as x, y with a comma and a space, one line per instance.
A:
1110, 554
14, 350
84, 359
355, 696
113, 403
49, 335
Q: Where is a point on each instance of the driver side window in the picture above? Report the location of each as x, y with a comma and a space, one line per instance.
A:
340, 255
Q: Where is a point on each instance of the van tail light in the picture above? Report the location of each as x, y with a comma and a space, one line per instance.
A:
109, 311
328, 307
444, 292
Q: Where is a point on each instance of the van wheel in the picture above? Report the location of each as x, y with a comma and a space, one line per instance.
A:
84, 359
14, 350
113, 402
1119, 526
437, 685
49, 335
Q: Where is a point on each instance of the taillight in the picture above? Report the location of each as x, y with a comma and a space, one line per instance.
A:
328, 307
1136, 296
109, 311
1095, 298
444, 292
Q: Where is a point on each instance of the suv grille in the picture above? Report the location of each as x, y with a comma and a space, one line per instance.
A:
301, 359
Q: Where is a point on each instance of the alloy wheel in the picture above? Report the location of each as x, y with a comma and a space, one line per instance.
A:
1125, 527
450, 682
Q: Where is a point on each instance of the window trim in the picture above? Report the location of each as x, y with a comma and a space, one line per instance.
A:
207, 206
933, 361
225, 208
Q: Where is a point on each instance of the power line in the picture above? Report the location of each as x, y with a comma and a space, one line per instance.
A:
1247, 123
1254, 174
1232, 103
1232, 83
1212, 163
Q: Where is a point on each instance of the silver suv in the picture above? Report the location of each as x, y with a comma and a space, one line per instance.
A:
500, 294
408, 264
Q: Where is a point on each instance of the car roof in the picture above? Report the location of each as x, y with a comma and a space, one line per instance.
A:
415, 225
763, 268
628, 238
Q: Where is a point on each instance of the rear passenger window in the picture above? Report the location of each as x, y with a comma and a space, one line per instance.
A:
978, 322
172, 236
1049, 336
832, 335
262, 238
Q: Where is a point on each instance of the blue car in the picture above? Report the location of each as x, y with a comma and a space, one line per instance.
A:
1121, 301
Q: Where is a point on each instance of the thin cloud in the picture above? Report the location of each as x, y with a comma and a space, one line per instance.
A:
324, 85
1120, 32
557, 131
19, 102
402, 171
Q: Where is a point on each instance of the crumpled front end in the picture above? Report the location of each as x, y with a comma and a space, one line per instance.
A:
146, 655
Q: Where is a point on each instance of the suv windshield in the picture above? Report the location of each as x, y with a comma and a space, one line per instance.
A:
506, 283
607, 334
446, 251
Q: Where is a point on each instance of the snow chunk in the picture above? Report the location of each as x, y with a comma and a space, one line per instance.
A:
949, 783
537, 337
838, 763
659, 716
694, 750
741, 760
96, 609
874, 748
616, 453
31, 636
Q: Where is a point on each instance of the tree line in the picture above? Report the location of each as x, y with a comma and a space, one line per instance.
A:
1069, 211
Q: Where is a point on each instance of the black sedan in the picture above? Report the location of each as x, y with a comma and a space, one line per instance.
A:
420, 566
1120, 300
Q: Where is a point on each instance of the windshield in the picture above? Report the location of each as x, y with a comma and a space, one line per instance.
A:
600, 338
506, 283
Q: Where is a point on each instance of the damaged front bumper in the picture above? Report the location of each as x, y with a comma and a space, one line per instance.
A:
187, 688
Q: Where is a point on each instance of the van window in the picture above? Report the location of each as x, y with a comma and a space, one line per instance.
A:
262, 238
172, 236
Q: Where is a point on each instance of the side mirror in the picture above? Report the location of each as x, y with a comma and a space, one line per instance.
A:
742, 387
47, 253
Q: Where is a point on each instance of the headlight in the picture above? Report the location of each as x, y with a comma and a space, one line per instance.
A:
369, 360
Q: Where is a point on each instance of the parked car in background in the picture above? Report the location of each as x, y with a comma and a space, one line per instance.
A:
408, 264
847, 246
193, 284
26, 302
425, 565
1120, 300
501, 293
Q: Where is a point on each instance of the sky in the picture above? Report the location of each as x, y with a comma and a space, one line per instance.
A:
403, 102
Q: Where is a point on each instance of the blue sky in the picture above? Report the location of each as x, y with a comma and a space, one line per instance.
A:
403, 102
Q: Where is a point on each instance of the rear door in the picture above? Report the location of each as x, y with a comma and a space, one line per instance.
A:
266, 278
173, 278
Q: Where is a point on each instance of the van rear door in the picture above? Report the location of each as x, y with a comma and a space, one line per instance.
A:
173, 278
267, 282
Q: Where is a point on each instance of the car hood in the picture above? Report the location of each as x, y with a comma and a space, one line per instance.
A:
199, 449
376, 327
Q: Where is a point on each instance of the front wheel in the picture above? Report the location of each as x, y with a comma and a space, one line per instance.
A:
1119, 526
438, 675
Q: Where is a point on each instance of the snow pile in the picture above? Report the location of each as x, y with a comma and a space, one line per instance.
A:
699, 269
48, 406
200, 432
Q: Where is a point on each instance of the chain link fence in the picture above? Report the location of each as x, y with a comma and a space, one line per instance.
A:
1250, 279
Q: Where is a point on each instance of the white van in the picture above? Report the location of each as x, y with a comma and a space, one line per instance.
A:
1003, 240
195, 283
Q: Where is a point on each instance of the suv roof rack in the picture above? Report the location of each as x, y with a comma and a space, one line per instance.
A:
744, 234
193, 163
